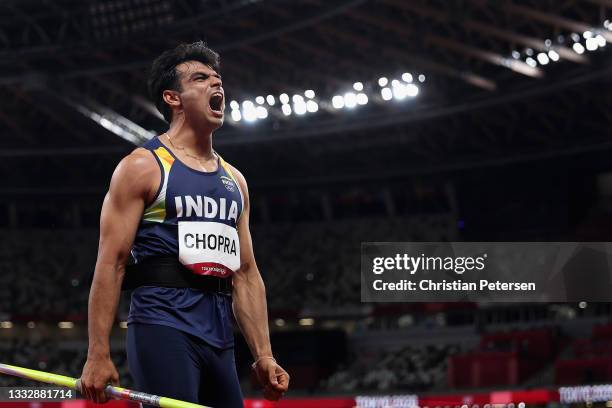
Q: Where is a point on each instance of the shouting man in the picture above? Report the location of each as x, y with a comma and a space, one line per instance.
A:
179, 215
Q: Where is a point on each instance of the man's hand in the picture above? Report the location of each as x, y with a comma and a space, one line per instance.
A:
272, 377
97, 374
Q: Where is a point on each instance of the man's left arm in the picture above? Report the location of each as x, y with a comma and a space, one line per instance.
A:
250, 308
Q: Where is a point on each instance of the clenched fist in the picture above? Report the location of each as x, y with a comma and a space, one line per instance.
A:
272, 377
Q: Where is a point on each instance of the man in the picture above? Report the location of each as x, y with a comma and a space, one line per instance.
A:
181, 214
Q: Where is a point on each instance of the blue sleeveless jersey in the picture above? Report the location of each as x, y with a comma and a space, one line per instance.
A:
193, 217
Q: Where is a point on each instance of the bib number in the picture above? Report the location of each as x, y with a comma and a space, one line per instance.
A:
209, 248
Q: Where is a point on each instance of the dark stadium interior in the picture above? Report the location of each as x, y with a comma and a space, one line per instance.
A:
493, 148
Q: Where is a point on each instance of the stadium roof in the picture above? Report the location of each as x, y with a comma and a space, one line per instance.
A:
400, 87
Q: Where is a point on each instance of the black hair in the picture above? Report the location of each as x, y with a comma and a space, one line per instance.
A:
163, 73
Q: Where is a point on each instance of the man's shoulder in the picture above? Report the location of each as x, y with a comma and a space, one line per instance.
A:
237, 173
139, 159
139, 167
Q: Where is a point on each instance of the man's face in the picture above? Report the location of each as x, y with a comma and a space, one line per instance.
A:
202, 94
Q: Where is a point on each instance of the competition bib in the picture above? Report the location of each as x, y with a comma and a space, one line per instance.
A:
209, 248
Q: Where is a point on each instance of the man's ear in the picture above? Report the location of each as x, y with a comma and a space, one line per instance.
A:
172, 98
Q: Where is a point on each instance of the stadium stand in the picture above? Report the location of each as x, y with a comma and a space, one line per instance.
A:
589, 360
316, 262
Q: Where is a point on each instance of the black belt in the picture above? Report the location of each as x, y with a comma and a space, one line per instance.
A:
169, 272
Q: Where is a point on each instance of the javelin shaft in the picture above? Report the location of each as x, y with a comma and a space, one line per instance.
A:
110, 391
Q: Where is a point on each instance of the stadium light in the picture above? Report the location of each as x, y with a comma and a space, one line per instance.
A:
543, 58
592, 38
553, 55
350, 100
300, 104
312, 106
412, 90
261, 112
531, 62
299, 108
362, 98
399, 92
249, 113
386, 94
338, 102
65, 325
307, 321
591, 44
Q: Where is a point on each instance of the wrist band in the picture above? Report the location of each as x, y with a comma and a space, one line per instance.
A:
254, 365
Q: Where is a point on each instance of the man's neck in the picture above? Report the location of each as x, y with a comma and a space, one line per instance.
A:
196, 141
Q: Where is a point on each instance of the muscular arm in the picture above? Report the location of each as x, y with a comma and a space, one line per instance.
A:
250, 308
122, 209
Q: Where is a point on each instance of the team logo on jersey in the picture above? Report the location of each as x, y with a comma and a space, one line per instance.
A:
228, 183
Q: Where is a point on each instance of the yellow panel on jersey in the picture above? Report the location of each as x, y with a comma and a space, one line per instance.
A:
166, 158
227, 169
156, 212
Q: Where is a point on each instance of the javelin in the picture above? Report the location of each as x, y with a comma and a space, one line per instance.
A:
110, 391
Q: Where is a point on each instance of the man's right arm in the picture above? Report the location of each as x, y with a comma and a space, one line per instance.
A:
133, 184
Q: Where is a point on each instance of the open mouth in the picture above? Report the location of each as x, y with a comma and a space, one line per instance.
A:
216, 103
